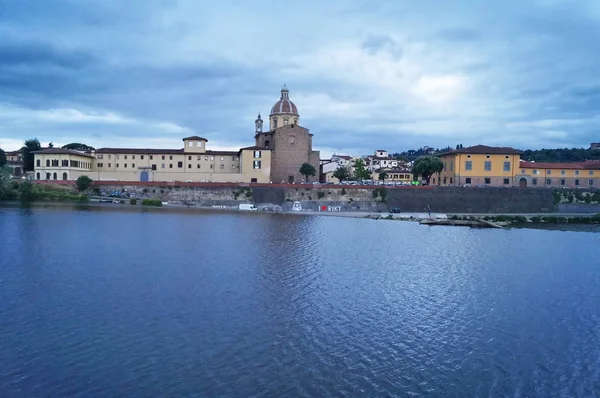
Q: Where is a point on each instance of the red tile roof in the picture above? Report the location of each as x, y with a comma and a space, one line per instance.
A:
61, 151
484, 150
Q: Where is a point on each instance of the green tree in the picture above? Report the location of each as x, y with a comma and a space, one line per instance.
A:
342, 173
426, 166
360, 170
83, 183
76, 146
382, 176
27, 191
307, 170
51, 145
2, 158
31, 146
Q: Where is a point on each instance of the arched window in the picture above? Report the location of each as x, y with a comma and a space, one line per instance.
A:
286, 120
274, 122
47, 162
37, 176
295, 120
267, 143
64, 176
38, 163
48, 176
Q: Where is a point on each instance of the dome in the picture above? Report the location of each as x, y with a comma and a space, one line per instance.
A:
284, 105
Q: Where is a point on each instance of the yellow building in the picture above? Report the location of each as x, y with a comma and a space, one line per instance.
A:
479, 165
192, 163
558, 175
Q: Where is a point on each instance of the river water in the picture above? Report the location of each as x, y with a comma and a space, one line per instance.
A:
102, 303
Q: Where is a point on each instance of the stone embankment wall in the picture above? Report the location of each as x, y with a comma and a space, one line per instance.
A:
408, 199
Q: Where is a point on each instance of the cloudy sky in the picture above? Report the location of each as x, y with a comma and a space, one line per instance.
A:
396, 74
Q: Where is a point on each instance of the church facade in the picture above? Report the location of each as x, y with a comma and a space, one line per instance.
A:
289, 142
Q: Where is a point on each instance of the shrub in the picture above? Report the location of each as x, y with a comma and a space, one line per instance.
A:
152, 202
557, 196
375, 193
343, 191
83, 182
28, 191
133, 201
321, 195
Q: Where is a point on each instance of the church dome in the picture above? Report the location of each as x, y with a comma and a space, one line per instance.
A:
284, 105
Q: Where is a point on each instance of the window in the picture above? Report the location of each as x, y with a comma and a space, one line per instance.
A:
506, 166
206, 158
591, 172
47, 162
468, 165
562, 182
125, 165
153, 167
171, 157
190, 143
189, 158
109, 156
38, 163
151, 157
256, 154
534, 181
522, 171
256, 164
199, 157
132, 157
253, 180
548, 172
222, 158
125, 157
577, 182
591, 183
117, 165
100, 165
467, 180
233, 166
163, 157
222, 166
179, 164
451, 166
109, 165
212, 166
133, 165
189, 166
274, 122
488, 181
198, 166
506, 181
212, 158
451, 180
65, 163
488, 165
576, 172
170, 165
162, 166
548, 181
444, 179
536, 172
487, 156
562, 172
234, 158
142, 157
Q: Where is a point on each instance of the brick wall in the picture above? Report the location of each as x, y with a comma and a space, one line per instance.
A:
292, 146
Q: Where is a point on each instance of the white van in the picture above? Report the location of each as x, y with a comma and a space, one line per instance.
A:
245, 206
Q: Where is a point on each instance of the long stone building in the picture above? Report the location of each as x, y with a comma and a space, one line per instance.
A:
276, 156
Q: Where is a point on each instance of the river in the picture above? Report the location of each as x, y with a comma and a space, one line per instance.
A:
104, 303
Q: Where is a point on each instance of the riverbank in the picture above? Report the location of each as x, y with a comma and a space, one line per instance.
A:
566, 222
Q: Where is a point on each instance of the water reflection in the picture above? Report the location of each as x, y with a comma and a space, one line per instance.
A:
121, 302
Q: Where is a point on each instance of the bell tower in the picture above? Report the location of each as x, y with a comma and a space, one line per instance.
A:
258, 124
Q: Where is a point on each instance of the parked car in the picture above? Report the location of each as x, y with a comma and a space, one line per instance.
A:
395, 210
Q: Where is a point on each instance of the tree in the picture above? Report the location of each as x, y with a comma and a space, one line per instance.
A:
360, 170
2, 158
342, 173
50, 145
382, 176
31, 145
76, 146
83, 183
307, 170
426, 166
